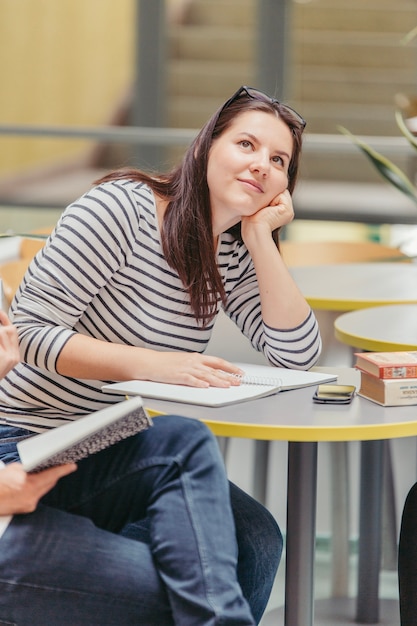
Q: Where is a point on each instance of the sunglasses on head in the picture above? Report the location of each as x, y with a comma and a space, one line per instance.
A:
257, 94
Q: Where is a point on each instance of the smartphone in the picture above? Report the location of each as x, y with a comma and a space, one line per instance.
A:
334, 394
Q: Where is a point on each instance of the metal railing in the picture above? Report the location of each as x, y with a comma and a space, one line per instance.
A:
335, 202
313, 143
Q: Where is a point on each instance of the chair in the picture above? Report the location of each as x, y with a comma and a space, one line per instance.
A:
298, 253
12, 272
30, 246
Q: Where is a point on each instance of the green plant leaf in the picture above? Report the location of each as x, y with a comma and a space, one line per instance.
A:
409, 36
405, 130
385, 167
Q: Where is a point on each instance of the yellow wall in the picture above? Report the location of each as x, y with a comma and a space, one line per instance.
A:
62, 62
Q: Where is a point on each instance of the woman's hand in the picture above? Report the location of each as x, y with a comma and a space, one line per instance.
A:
86, 357
283, 304
9, 345
20, 492
193, 369
278, 213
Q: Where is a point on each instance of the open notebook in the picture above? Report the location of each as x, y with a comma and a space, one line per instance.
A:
84, 436
259, 381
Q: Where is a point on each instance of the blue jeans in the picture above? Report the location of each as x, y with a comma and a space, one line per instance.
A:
196, 559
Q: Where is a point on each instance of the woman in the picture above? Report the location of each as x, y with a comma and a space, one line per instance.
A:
58, 568
131, 280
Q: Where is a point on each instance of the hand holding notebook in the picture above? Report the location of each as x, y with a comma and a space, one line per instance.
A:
83, 436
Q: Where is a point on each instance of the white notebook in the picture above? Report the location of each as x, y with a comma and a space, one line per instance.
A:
259, 381
84, 436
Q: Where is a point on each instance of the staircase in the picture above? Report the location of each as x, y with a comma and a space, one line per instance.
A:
347, 58
211, 55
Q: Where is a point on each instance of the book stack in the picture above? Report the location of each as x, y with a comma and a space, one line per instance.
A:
388, 378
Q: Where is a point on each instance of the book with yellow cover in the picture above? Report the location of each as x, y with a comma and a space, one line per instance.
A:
388, 364
388, 392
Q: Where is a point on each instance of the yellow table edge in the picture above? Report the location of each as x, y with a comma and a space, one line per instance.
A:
307, 433
368, 343
349, 305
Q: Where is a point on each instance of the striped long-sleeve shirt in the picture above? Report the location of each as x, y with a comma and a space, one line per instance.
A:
103, 273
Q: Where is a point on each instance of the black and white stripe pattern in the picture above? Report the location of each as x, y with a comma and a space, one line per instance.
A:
103, 274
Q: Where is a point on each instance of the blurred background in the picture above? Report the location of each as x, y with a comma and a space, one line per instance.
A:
169, 63
91, 85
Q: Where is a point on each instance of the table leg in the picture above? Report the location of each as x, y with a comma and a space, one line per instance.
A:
301, 532
260, 472
370, 507
389, 532
339, 466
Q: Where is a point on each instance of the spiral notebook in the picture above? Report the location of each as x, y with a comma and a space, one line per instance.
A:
84, 436
259, 381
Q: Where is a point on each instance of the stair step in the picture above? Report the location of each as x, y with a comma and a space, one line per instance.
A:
205, 78
342, 54
351, 38
347, 61
360, 75
354, 5
381, 50
319, 92
186, 112
308, 89
356, 16
360, 119
234, 13
212, 44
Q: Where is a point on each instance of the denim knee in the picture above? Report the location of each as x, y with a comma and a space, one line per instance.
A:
260, 546
9, 438
183, 433
180, 424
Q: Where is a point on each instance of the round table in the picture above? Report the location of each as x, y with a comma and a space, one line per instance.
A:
390, 328
330, 290
349, 286
293, 417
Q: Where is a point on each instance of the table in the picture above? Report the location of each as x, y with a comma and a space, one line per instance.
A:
292, 416
336, 288
379, 329
350, 286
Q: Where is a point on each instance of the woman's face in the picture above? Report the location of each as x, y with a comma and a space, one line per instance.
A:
248, 165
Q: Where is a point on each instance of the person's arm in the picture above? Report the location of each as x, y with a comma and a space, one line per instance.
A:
289, 335
20, 492
9, 346
85, 357
283, 304
92, 246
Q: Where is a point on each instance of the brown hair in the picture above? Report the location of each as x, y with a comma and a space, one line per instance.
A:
187, 235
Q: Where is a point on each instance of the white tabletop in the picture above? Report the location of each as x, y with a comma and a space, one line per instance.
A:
348, 286
379, 329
